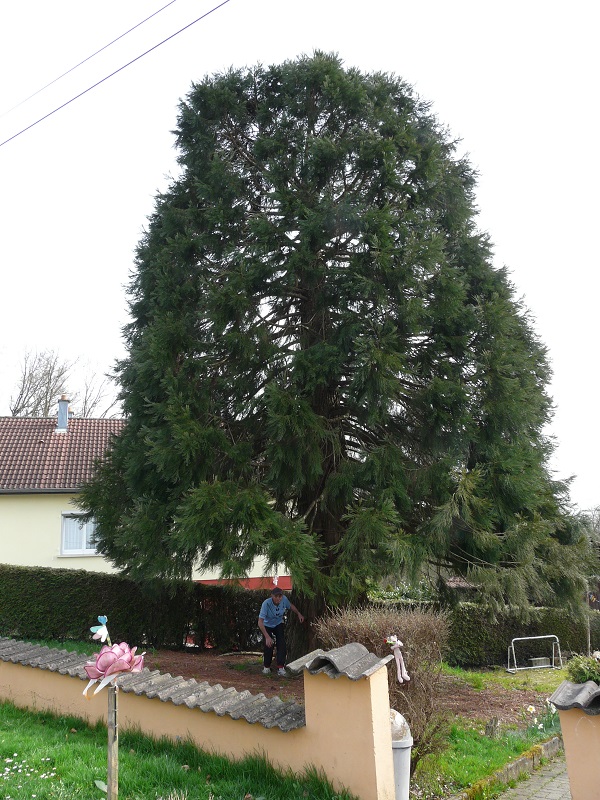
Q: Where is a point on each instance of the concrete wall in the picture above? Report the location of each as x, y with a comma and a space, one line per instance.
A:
581, 737
347, 733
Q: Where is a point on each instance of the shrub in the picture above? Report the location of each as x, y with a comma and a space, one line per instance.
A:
425, 636
584, 668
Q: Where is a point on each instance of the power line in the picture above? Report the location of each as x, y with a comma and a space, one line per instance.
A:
129, 63
87, 59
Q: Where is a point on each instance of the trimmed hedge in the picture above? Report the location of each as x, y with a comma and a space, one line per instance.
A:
477, 641
62, 604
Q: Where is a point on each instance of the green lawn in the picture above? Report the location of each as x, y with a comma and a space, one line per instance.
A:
46, 757
539, 680
471, 755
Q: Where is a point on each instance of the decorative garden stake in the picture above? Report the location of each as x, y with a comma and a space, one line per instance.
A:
396, 644
112, 660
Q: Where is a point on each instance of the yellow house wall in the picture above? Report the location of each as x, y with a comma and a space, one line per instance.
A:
31, 529
347, 733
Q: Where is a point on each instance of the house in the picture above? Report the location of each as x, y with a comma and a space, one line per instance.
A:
43, 463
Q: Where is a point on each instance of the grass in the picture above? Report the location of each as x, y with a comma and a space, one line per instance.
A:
243, 666
471, 755
70, 645
537, 680
88, 648
49, 757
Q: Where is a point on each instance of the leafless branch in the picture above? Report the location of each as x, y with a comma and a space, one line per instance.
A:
42, 381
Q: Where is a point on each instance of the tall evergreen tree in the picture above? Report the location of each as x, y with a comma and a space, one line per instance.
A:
324, 368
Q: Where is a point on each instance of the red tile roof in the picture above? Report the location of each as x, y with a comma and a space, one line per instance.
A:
34, 457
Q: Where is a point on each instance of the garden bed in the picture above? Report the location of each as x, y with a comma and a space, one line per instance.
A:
505, 700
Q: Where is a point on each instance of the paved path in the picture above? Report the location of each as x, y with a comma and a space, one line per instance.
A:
550, 782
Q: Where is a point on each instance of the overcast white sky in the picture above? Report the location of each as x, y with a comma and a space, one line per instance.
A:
516, 81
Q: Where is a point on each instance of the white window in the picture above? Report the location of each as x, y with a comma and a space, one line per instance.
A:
77, 536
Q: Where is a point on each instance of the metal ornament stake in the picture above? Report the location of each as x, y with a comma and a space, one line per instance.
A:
112, 781
112, 661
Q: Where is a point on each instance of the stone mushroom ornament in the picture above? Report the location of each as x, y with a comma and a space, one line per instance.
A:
395, 643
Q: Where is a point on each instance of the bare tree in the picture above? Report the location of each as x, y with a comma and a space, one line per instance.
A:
97, 392
43, 379
45, 376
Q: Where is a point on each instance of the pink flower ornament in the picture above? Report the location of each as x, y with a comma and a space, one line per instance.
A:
111, 662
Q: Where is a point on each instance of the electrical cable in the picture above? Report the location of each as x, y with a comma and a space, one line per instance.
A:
129, 63
87, 59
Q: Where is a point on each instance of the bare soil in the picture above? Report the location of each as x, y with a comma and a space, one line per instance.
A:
244, 671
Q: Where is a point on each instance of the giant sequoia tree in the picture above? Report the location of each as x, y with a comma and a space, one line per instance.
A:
323, 366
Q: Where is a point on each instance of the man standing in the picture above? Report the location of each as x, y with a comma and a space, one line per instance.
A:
270, 622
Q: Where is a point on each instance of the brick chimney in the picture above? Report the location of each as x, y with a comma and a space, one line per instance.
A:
63, 414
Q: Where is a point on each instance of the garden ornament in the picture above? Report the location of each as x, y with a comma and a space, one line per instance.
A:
112, 660
101, 631
396, 644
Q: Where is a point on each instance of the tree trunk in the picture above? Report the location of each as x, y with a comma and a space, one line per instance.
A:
301, 638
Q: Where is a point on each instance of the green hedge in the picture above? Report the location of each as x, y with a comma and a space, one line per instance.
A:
477, 641
62, 604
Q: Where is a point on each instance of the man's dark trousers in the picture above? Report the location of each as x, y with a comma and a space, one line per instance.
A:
278, 636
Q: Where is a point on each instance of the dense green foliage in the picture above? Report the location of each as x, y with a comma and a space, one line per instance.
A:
324, 369
41, 603
476, 640
581, 669
62, 604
